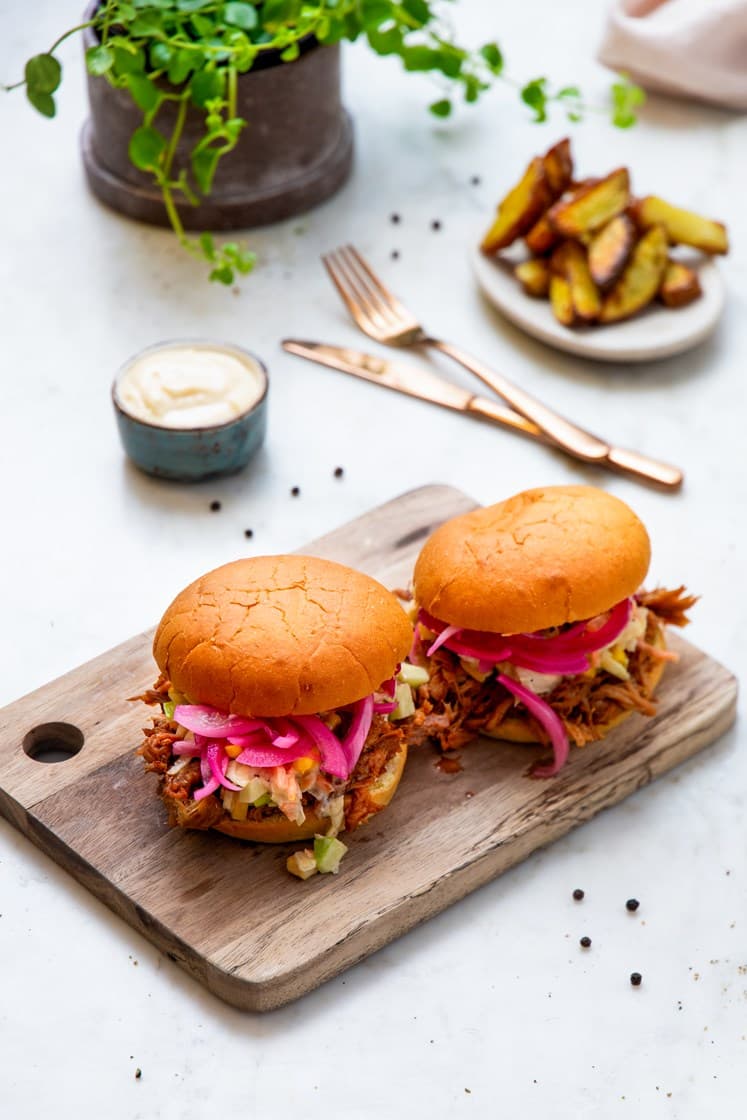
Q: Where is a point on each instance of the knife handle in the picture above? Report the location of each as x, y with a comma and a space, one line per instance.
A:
640, 466
618, 458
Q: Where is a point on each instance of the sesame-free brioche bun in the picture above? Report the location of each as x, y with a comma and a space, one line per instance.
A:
543, 558
281, 636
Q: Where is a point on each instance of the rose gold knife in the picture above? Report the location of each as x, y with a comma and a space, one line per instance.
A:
428, 386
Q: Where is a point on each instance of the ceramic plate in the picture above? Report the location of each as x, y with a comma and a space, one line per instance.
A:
658, 332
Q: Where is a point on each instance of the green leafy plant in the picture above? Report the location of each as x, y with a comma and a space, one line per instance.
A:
192, 52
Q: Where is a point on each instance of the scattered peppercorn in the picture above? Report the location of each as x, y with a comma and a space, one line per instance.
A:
436, 225
248, 533
339, 472
295, 491
632, 904
475, 180
138, 1073
585, 942
635, 979
395, 219
395, 254
214, 506
578, 894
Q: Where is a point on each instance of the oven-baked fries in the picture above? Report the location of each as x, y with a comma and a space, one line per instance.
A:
598, 253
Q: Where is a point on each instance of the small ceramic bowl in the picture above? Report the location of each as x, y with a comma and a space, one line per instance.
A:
194, 454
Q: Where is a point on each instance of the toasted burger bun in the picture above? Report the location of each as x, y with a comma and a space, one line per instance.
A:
520, 729
277, 829
543, 558
281, 636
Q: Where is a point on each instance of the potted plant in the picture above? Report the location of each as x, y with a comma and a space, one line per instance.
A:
218, 114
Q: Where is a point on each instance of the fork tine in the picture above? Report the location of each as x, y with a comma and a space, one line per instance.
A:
329, 261
375, 292
388, 298
354, 293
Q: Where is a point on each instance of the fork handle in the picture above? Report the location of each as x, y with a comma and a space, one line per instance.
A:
569, 436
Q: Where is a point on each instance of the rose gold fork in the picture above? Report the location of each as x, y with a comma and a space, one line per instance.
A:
381, 316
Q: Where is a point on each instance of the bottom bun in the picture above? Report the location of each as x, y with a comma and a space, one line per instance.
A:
520, 728
361, 804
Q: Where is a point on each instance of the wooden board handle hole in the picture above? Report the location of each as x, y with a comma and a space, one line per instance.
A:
53, 742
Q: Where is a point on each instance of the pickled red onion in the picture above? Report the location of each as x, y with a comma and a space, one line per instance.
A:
566, 653
218, 762
272, 756
548, 719
353, 742
214, 724
333, 754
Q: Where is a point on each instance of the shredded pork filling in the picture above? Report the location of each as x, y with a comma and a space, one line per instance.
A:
177, 783
454, 707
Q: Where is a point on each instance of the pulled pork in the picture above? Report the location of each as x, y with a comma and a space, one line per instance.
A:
383, 742
454, 708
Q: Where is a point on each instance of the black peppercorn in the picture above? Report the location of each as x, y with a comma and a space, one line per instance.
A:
578, 894
475, 180
295, 491
435, 225
395, 219
585, 942
635, 979
395, 254
339, 472
632, 904
138, 1074
214, 506
248, 533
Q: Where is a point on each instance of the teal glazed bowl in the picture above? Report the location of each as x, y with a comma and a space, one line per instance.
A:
194, 454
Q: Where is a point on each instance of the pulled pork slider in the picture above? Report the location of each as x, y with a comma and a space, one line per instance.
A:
277, 697
532, 623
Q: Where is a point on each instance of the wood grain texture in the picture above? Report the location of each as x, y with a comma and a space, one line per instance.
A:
227, 911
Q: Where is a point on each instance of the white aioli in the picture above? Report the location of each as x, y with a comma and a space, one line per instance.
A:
189, 385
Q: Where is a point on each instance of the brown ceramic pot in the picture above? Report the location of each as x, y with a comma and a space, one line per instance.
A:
295, 152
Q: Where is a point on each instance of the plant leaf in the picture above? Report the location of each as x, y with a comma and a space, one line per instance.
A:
241, 15
43, 73
99, 60
491, 52
417, 10
147, 145
206, 85
42, 102
535, 96
144, 92
441, 108
204, 163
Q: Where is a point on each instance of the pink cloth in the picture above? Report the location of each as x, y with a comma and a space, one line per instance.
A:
689, 48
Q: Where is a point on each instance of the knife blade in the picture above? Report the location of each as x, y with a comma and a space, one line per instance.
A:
414, 381
426, 385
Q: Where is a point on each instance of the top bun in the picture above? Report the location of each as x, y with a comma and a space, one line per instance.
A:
542, 558
281, 636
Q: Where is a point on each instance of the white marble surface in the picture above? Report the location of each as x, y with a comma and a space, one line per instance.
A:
491, 1009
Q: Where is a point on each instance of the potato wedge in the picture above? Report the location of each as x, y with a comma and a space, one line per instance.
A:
569, 261
640, 280
682, 227
520, 209
560, 300
534, 277
558, 163
541, 237
591, 207
680, 285
609, 250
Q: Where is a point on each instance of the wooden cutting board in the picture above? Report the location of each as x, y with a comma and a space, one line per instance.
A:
227, 911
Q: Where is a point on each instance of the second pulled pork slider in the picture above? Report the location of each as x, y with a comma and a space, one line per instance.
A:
276, 693
531, 618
